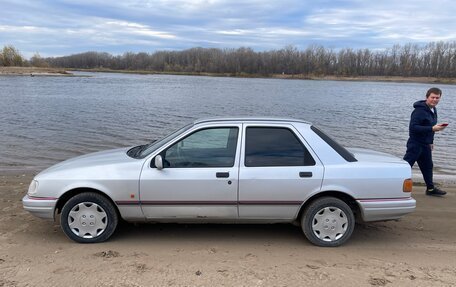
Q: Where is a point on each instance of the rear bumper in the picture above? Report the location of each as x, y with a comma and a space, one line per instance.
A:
42, 207
385, 209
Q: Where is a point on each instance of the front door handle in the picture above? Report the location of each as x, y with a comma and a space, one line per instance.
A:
305, 174
222, 174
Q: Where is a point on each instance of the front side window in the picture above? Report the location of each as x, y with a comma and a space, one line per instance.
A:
212, 147
271, 146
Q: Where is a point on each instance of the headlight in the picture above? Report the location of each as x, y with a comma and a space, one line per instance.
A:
32, 188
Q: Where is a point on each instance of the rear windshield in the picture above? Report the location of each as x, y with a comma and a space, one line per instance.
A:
343, 152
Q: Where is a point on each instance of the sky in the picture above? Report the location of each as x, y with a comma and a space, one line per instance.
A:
65, 27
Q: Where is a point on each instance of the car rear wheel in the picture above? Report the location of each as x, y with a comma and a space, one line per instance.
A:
88, 218
328, 222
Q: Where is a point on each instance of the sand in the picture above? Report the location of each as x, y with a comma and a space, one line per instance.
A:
32, 71
418, 250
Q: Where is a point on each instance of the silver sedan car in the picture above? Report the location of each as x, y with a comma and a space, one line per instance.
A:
226, 170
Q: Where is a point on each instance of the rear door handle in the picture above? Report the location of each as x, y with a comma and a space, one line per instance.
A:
222, 174
305, 174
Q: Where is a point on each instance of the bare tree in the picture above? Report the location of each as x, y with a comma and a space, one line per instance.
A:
37, 61
434, 59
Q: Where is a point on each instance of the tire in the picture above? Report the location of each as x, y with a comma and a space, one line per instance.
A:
328, 222
88, 218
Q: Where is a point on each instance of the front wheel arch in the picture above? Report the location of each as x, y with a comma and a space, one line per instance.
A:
73, 192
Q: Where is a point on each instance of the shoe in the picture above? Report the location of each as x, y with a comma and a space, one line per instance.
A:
435, 192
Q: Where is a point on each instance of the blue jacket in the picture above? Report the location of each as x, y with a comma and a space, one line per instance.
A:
421, 122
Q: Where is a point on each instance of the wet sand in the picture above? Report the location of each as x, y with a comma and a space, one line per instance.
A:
418, 250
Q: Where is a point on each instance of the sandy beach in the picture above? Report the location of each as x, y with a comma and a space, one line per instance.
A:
418, 250
33, 71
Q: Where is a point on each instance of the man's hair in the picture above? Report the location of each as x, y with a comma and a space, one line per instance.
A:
436, 91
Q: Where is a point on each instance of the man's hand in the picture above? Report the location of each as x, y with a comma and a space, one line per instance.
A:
437, 128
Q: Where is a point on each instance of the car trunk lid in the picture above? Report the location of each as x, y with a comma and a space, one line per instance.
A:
364, 155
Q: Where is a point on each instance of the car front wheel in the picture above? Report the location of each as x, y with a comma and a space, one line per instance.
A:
328, 222
88, 218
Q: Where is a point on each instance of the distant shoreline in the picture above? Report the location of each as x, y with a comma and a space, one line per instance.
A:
398, 79
35, 71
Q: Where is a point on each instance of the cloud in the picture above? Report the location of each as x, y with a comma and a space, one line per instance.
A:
402, 21
71, 26
130, 28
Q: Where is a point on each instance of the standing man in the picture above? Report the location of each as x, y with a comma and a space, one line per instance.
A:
423, 125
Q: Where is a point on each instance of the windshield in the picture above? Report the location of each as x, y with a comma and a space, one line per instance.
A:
148, 149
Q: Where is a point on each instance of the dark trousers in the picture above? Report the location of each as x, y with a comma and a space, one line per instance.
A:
422, 154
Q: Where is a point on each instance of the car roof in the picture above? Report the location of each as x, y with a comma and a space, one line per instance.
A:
249, 119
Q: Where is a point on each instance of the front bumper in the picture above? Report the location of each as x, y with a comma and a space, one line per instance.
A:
42, 207
385, 209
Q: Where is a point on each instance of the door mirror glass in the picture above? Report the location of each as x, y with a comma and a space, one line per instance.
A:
159, 162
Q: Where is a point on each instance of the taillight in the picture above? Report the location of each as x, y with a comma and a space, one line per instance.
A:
408, 185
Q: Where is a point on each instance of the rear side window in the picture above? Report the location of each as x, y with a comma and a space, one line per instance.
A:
270, 146
343, 152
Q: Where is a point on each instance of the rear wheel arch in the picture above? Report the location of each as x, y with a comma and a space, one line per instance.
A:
348, 199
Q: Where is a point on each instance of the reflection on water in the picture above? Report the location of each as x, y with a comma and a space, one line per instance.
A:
44, 120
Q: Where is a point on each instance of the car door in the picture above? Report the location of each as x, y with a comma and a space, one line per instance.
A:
199, 178
277, 171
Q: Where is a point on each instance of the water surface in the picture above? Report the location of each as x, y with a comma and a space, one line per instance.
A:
44, 120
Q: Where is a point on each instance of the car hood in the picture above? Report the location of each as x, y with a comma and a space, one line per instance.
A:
367, 155
102, 158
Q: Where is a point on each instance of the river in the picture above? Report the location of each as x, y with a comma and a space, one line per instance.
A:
44, 120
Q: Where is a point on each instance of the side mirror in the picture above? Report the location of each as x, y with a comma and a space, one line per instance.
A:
159, 162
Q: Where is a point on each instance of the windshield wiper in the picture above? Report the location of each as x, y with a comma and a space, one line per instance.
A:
142, 148
139, 149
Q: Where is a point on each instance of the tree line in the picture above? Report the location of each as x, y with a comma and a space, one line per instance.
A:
436, 59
